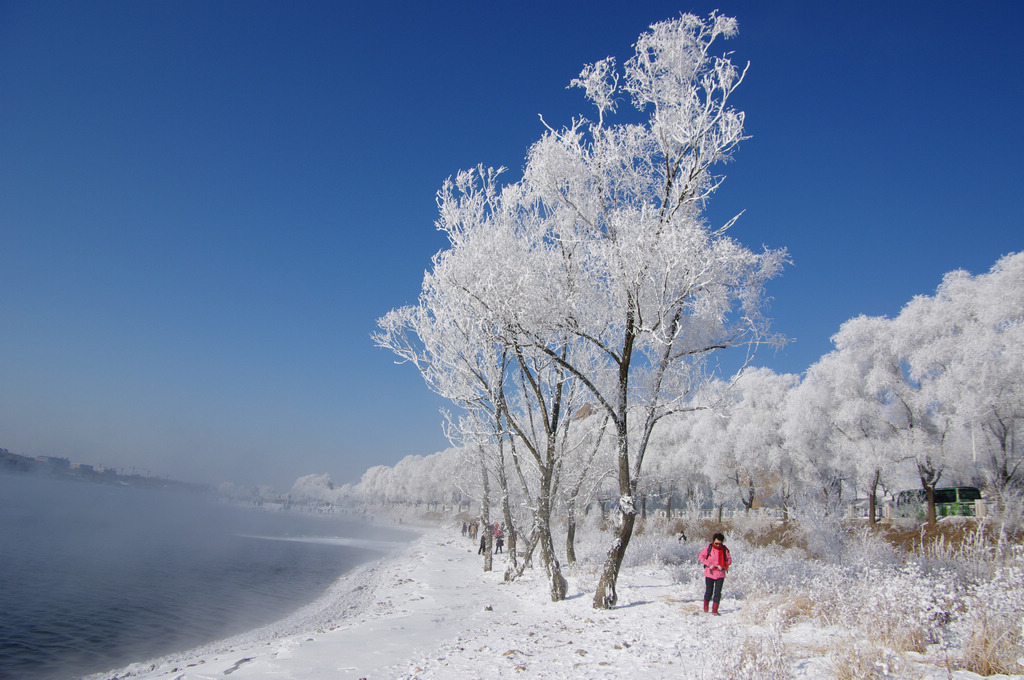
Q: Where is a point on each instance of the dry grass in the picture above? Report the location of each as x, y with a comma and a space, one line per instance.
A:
956, 534
694, 529
787, 607
911, 537
762, 657
993, 646
899, 634
783, 535
864, 661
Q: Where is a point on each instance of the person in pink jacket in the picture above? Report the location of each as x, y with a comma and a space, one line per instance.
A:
716, 560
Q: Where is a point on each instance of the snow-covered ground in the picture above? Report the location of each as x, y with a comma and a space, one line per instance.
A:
429, 611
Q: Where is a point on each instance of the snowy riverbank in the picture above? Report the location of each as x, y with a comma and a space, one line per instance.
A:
430, 612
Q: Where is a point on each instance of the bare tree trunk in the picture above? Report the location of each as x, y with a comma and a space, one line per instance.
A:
570, 533
557, 582
545, 457
929, 480
872, 498
510, 534
558, 585
506, 509
605, 597
485, 516
929, 494
527, 563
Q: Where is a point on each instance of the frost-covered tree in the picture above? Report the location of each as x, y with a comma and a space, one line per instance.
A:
669, 472
462, 337
966, 347
808, 429
833, 412
919, 432
454, 349
739, 438
646, 285
597, 274
756, 426
681, 446
707, 450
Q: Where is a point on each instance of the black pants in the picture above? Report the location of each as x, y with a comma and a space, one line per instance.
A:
713, 588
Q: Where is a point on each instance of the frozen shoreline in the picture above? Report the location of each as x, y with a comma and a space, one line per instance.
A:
345, 599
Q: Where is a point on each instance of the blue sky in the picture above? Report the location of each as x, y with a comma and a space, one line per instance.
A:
204, 207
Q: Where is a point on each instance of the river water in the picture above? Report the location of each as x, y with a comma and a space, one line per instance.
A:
96, 576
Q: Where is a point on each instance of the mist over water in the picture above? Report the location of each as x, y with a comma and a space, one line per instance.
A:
95, 576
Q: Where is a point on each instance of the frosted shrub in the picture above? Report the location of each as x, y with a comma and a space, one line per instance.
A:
820, 523
771, 581
760, 655
906, 608
992, 624
696, 529
826, 588
1011, 510
788, 605
900, 607
772, 569
864, 548
748, 524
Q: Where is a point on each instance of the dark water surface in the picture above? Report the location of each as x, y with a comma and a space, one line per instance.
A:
94, 576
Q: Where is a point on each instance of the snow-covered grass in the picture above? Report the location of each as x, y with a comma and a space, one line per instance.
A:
959, 601
848, 604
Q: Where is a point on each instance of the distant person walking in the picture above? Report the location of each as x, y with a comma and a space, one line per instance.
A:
716, 560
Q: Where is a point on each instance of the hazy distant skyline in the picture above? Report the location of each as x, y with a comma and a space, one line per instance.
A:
204, 207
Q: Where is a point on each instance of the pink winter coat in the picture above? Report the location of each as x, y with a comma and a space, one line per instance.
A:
716, 561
